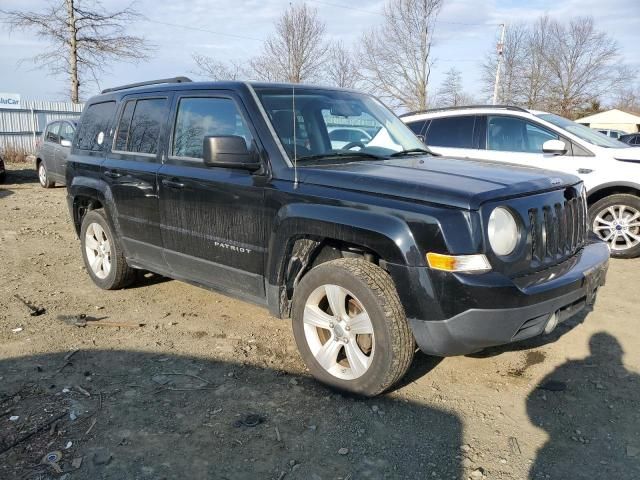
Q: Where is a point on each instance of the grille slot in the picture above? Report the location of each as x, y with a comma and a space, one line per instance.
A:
557, 230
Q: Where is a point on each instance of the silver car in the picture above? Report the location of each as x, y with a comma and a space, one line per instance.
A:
53, 150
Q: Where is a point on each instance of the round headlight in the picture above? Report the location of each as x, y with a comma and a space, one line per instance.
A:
503, 231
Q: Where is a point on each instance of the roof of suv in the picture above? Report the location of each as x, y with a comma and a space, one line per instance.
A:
184, 83
449, 111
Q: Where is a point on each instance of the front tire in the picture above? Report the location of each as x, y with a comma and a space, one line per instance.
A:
102, 254
616, 220
350, 327
43, 176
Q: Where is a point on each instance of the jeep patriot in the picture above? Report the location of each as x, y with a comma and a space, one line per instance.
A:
371, 247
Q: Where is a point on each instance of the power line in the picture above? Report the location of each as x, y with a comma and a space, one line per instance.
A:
191, 27
383, 15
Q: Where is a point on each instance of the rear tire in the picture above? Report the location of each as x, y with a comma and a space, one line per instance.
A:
43, 176
366, 346
616, 220
102, 254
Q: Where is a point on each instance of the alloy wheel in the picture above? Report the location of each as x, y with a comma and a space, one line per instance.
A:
618, 225
339, 332
98, 250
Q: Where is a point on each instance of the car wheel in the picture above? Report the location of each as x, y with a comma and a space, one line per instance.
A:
616, 220
43, 176
102, 253
350, 327
3, 177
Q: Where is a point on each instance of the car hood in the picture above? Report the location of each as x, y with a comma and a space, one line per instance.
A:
456, 182
626, 154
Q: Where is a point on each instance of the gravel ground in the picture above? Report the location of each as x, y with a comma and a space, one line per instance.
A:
165, 380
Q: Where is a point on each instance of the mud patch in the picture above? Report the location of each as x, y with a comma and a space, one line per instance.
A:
531, 358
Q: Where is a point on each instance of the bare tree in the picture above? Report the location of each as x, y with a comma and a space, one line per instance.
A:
396, 57
451, 92
514, 66
216, 70
582, 64
83, 38
558, 66
628, 99
342, 69
297, 51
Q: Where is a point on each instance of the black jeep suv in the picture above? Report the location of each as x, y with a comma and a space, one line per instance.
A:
370, 246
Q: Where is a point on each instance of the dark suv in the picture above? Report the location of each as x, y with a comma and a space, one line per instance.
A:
369, 248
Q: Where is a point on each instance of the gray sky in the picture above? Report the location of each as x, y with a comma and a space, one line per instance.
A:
466, 30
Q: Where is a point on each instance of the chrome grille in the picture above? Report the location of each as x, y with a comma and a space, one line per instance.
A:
557, 230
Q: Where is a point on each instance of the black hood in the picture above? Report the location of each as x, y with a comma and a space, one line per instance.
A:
456, 182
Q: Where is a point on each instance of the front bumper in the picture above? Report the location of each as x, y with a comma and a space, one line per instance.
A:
502, 311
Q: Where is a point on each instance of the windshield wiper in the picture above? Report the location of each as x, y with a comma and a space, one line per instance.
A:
414, 150
328, 156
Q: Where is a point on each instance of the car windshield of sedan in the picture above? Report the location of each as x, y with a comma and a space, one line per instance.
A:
583, 132
335, 126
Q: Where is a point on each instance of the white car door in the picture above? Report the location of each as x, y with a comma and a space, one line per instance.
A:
453, 136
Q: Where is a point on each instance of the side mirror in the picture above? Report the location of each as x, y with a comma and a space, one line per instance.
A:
228, 151
554, 147
65, 143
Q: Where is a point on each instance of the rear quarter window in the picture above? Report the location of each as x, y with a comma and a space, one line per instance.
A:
94, 126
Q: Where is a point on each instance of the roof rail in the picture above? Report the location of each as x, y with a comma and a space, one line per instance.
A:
462, 107
150, 82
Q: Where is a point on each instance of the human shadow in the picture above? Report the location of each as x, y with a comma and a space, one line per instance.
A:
591, 411
130, 414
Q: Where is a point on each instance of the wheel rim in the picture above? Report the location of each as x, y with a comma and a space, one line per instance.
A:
339, 332
42, 174
98, 250
618, 225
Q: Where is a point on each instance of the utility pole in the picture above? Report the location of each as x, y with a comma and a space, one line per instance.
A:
500, 50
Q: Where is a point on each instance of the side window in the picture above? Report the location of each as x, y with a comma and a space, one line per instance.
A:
144, 126
536, 136
511, 134
202, 117
53, 133
454, 132
94, 126
417, 127
122, 136
66, 131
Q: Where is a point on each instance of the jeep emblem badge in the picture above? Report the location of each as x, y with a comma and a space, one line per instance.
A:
556, 181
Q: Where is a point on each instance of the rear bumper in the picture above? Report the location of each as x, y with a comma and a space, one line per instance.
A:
516, 312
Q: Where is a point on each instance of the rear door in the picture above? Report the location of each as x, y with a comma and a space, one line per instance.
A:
131, 169
453, 136
212, 218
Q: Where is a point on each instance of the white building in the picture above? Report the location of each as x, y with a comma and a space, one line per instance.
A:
613, 120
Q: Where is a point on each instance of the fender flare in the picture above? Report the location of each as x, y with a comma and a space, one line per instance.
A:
93, 188
386, 235
604, 186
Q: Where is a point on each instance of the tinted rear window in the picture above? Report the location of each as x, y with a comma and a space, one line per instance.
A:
454, 132
94, 126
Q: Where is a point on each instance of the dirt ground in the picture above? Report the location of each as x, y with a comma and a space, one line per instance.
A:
196, 385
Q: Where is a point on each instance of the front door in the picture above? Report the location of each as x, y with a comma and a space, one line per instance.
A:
131, 170
212, 218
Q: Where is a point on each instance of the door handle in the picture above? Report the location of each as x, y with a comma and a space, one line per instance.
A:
584, 171
112, 174
172, 184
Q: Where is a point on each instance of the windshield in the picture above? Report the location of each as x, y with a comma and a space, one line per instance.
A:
583, 132
336, 126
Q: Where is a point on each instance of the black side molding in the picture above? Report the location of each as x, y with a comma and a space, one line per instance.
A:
150, 82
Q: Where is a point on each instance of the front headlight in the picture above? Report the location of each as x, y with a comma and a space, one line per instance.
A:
503, 231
